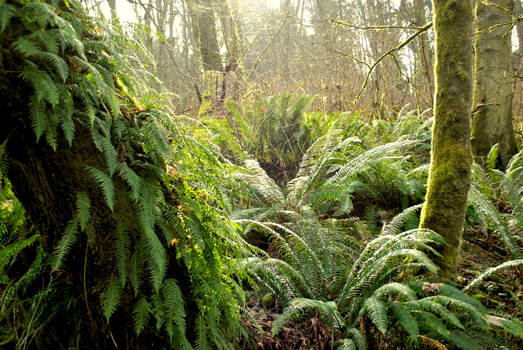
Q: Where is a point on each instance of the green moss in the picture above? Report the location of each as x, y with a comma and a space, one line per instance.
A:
451, 157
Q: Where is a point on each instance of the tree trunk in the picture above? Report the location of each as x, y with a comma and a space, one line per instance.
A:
205, 27
425, 71
451, 156
492, 114
46, 183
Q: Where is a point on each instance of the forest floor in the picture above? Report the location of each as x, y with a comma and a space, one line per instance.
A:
479, 252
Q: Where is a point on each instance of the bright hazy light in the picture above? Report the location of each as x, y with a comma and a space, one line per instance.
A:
126, 12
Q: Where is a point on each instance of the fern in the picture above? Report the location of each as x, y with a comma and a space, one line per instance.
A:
142, 311
492, 270
7, 11
66, 243
39, 120
83, 206
122, 252
328, 312
109, 154
105, 183
44, 86
174, 304
405, 318
111, 298
377, 311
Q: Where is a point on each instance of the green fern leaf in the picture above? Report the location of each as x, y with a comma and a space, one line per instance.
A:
142, 310
136, 268
106, 184
44, 87
173, 300
111, 298
406, 320
492, 270
51, 134
122, 252
57, 62
155, 253
395, 288
68, 240
7, 11
109, 154
377, 311
132, 179
328, 312
39, 121
83, 205
27, 47
492, 157
345, 344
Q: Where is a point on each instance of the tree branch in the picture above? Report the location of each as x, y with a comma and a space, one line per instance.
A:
389, 52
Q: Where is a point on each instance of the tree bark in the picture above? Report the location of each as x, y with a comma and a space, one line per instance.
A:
451, 156
492, 114
205, 27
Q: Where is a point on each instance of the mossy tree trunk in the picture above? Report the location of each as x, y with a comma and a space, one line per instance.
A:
204, 24
451, 155
46, 183
492, 114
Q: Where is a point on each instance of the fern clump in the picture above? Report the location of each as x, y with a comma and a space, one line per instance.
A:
149, 236
312, 278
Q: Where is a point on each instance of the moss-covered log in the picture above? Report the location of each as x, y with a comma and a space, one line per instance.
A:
451, 155
492, 114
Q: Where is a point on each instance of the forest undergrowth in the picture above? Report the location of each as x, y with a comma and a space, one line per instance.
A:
293, 229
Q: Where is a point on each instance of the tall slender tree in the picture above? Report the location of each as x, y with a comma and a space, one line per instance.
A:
451, 155
204, 23
492, 115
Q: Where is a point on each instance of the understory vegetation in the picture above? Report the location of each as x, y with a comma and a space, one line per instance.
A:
263, 224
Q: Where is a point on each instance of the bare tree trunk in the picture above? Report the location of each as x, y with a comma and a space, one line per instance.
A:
492, 116
112, 6
451, 155
424, 57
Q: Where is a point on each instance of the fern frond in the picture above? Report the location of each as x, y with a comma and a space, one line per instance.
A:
328, 312
345, 344
122, 252
395, 225
57, 62
492, 270
37, 113
110, 154
141, 312
27, 47
173, 299
492, 157
132, 179
395, 288
7, 11
106, 185
111, 298
66, 243
44, 86
429, 305
377, 311
83, 206
406, 320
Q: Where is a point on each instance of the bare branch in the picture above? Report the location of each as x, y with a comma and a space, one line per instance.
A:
389, 52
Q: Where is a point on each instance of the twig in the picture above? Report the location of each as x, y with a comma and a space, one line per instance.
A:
389, 52
375, 27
